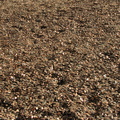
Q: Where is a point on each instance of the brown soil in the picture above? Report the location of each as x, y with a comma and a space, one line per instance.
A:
59, 60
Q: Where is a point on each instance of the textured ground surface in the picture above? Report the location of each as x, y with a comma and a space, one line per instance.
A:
59, 60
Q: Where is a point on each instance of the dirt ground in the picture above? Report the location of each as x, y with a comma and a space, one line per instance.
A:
59, 60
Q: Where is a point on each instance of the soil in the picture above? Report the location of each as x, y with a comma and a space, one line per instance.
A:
59, 60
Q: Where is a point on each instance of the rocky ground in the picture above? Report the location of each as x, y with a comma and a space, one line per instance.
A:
59, 60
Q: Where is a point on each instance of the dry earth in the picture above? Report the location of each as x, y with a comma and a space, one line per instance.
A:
59, 60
